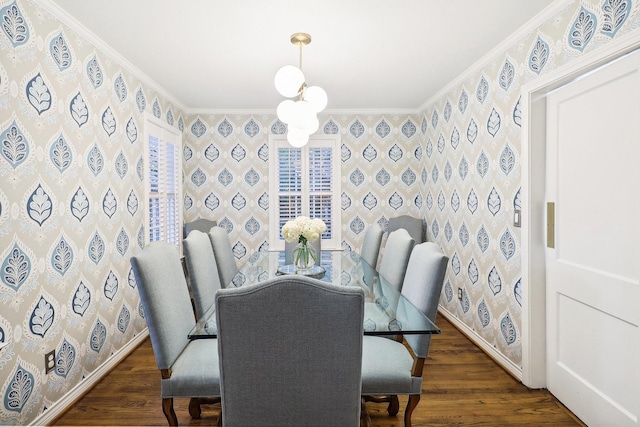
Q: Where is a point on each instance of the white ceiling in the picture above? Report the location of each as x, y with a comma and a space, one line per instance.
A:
222, 55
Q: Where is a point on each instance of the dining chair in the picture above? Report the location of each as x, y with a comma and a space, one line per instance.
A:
388, 367
289, 247
199, 224
413, 225
370, 251
371, 244
187, 368
290, 353
203, 270
227, 267
395, 257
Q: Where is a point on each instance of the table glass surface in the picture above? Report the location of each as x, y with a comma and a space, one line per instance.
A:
386, 311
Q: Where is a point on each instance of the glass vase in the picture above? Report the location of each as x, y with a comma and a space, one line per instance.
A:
304, 257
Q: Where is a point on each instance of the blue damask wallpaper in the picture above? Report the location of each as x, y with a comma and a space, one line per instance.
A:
471, 137
72, 190
226, 168
71, 206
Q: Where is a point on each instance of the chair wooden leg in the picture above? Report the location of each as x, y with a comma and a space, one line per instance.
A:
376, 399
365, 419
411, 405
167, 408
392, 400
194, 407
394, 405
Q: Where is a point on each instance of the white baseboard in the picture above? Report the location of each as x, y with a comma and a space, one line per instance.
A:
66, 401
499, 358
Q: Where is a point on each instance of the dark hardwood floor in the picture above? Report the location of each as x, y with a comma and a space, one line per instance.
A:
462, 387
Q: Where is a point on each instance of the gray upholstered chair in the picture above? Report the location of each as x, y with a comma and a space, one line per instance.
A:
290, 353
370, 251
388, 368
202, 269
289, 247
187, 368
199, 224
413, 225
227, 267
371, 244
395, 257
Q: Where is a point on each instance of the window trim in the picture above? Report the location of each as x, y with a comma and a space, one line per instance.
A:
155, 127
279, 141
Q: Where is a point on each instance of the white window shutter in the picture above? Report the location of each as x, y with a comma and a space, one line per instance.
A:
164, 193
321, 187
306, 181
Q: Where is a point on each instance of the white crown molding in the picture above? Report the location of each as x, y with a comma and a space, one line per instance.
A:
329, 112
370, 112
76, 26
534, 23
230, 112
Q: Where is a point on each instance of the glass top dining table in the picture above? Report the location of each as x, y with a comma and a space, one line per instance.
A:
386, 311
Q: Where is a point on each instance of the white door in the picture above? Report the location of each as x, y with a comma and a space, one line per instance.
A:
593, 273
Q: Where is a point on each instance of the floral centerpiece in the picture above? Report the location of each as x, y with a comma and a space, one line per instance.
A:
303, 230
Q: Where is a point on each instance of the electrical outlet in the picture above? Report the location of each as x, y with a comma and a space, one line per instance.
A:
460, 293
49, 361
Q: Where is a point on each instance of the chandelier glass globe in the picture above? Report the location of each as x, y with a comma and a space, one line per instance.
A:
289, 79
317, 97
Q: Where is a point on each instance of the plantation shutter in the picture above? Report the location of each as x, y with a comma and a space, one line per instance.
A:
306, 181
289, 185
164, 216
321, 187
156, 226
172, 194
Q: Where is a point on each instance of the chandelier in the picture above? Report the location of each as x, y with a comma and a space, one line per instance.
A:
301, 116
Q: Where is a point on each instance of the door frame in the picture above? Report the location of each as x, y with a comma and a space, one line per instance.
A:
533, 166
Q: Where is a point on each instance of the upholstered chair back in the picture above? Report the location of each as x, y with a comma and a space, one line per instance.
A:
203, 270
422, 287
165, 300
290, 352
199, 224
413, 225
371, 244
227, 267
395, 257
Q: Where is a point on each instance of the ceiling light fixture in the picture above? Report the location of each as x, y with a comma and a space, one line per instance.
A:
301, 116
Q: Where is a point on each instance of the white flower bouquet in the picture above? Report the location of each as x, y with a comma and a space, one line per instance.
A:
303, 230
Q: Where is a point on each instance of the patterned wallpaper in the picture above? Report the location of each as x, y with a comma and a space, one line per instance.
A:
71, 189
226, 168
71, 206
472, 146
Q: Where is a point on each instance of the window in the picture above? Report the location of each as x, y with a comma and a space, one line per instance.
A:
305, 181
163, 186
